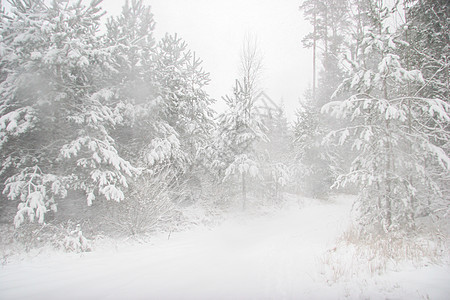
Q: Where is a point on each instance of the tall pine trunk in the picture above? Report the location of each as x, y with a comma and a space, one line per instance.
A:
314, 53
244, 192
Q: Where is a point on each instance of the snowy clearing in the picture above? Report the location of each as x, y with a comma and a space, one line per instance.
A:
275, 256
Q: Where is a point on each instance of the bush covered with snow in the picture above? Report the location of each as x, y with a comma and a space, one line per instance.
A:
148, 205
359, 254
75, 241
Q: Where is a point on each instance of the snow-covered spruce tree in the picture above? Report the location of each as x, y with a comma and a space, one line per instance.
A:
275, 156
145, 138
261, 152
185, 115
168, 118
186, 105
330, 22
56, 108
312, 163
397, 135
427, 29
239, 128
130, 41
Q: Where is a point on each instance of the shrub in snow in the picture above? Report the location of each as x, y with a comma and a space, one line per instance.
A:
359, 254
32, 236
276, 177
148, 205
75, 241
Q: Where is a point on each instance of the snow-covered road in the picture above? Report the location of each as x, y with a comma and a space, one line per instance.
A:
276, 256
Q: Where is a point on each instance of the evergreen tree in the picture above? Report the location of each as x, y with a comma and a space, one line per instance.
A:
329, 19
82, 111
186, 105
276, 155
312, 163
399, 151
162, 86
331, 24
427, 31
144, 136
56, 108
239, 130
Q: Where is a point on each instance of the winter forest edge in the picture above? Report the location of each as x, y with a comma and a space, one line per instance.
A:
111, 132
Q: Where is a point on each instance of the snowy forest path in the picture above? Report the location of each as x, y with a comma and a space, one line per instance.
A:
279, 255
245, 257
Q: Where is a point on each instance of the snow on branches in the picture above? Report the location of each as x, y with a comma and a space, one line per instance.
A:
36, 192
54, 108
242, 165
93, 110
400, 139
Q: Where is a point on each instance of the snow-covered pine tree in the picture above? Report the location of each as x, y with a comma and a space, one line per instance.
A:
130, 40
311, 163
275, 155
396, 134
239, 128
329, 19
186, 105
168, 118
56, 108
427, 32
427, 29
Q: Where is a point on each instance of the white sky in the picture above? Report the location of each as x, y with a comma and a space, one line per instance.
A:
215, 30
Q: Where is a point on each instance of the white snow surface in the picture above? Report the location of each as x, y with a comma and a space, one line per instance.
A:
277, 255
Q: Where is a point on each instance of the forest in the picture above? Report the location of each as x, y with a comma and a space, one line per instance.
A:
108, 132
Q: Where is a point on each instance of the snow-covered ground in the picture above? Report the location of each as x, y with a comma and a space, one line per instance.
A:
279, 255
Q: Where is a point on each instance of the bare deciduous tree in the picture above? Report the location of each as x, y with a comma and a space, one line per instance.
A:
251, 64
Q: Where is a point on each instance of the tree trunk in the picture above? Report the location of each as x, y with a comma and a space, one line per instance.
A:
410, 214
314, 53
276, 190
326, 29
244, 192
